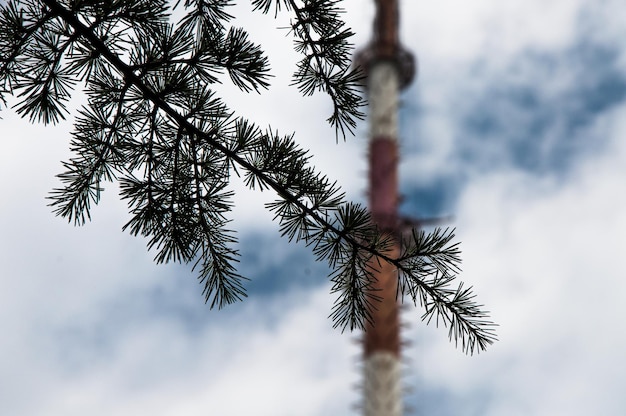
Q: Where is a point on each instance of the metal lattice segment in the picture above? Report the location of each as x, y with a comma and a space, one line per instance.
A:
384, 333
386, 45
404, 62
383, 180
383, 84
382, 387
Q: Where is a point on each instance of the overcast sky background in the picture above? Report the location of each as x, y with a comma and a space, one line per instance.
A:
516, 126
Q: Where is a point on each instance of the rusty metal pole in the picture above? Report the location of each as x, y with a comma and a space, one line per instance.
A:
389, 69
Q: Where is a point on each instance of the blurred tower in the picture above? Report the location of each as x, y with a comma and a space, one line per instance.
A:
389, 68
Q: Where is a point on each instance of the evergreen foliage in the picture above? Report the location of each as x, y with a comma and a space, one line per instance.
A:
153, 123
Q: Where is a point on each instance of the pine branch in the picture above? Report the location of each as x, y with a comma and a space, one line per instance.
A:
323, 41
154, 124
13, 39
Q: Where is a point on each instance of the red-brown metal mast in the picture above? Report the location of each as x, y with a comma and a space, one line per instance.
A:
389, 68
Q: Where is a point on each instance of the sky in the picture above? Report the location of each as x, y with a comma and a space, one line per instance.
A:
515, 127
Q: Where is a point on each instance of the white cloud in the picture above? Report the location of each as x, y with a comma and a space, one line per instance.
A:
460, 30
479, 58
268, 359
545, 257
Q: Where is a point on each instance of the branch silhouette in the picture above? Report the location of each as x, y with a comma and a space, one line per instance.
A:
153, 123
